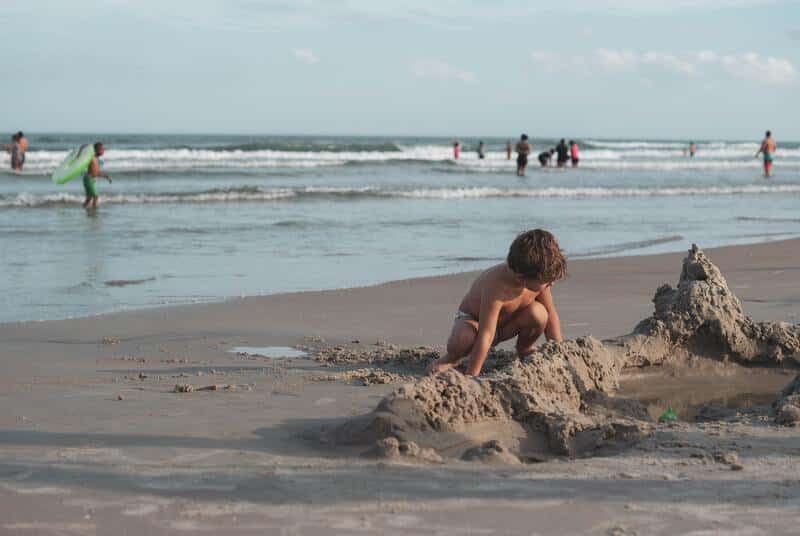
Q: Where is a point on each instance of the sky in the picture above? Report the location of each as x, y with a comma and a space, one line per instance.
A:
604, 68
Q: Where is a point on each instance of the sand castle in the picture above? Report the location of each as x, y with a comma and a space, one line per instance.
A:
560, 400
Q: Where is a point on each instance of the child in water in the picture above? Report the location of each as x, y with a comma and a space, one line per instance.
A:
90, 178
512, 299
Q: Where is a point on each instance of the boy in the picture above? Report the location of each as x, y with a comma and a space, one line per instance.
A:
509, 300
90, 179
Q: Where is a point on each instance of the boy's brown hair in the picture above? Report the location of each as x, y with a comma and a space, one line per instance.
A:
536, 255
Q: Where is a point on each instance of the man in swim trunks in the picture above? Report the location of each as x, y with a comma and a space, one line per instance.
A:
768, 148
90, 178
563, 153
524, 148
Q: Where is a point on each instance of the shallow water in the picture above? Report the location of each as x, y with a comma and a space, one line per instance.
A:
200, 218
275, 352
686, 390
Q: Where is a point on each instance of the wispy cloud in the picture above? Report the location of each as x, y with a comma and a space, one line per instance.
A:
752, 66
305, 55
440, 70
748, 66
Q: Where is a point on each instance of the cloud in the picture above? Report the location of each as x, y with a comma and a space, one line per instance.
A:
305, 55
615, 59
793, 34
440, 70
748, 66
752, 66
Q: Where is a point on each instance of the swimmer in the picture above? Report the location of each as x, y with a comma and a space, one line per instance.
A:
524, 148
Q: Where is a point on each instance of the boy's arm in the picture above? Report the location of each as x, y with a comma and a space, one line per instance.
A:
553, 329
487, 327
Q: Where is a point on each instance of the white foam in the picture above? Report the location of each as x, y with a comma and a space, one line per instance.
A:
285, 194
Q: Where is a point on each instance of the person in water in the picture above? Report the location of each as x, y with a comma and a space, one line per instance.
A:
512, 299
545, 157
456, 149
524, 148
90, 178
574, 153
22, 148
768, 148
509, 150
692, 149
481, 150
563, 153
15, 151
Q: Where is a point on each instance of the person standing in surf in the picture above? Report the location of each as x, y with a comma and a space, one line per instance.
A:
574, 153
481, 150
524, 148
90, 178
768, 148
14, 150
509, 150
456, 149
562, 151
23, 148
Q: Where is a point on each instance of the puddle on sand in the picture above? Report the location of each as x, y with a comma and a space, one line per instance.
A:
686, 390
274, 352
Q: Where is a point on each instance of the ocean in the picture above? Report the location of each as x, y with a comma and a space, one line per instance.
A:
193, 218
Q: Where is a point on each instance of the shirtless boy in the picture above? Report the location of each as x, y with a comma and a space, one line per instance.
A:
90, 178
509, 300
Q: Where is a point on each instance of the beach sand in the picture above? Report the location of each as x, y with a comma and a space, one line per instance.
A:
94, 440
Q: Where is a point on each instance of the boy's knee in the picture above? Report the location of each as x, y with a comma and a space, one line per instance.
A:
539, 316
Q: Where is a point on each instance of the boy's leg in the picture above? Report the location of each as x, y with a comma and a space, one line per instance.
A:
459, 345
527, 325
95, 202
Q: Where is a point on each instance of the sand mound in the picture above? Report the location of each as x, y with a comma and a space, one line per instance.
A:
787, 409
560, 400
704, 317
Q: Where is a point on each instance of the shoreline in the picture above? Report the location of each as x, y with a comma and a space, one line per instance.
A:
195, 302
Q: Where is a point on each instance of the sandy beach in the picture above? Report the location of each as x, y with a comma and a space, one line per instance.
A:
93, 440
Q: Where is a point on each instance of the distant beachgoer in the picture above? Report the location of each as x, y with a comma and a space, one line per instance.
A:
481, 150
509, 150
14, 150
456, 149
692, 149
768, 148
90, 178
23, 148
545, 157
574, 153
524, 148
563, 153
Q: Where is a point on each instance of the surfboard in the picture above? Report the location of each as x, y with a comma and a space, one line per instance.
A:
74, 165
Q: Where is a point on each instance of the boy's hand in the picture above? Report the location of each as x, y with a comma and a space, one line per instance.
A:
109, 178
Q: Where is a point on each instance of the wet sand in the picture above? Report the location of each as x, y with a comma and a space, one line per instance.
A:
94, 440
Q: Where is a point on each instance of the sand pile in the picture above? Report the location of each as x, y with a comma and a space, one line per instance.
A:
702, 316
560, 400
787, 409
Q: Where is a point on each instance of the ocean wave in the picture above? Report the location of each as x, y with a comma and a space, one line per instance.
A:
256, 194
605, 155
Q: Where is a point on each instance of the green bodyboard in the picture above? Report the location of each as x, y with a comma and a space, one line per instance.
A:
74, 165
